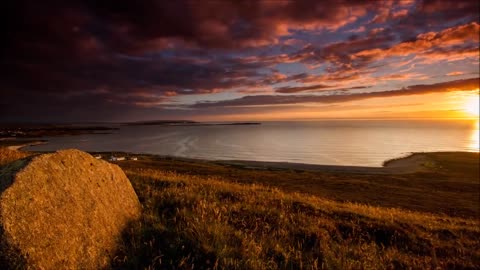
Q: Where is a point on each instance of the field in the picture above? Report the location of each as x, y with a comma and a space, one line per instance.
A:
204, 215
211, 215
448, 183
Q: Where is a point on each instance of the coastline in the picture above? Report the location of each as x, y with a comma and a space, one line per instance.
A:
404, 165
19, 147
411, 163
440, 182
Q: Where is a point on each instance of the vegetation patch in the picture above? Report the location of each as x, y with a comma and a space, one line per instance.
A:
201, 215
209, 223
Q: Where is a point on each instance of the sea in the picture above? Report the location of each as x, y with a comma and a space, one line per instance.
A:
328, 142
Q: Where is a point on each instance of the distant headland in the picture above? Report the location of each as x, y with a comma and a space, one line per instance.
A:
186, 123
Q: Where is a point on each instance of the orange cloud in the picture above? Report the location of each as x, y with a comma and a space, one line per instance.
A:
261, 100
455, 73
431, 44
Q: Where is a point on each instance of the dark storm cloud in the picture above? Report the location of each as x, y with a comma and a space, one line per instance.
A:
449, 10
458, 85
140, 25
112, 57
85, 47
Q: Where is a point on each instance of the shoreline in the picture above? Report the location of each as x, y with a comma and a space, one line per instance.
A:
423, 181
14, 144
411, 163
20, 146
407, 164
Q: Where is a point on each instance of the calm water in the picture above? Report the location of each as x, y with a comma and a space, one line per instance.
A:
346, 142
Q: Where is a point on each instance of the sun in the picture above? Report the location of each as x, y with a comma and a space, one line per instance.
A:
471, 106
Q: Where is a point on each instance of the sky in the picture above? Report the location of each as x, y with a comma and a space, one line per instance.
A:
121, 60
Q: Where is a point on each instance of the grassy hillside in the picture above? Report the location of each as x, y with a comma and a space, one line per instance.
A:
7, 156
202, 215
448, 185
206, 223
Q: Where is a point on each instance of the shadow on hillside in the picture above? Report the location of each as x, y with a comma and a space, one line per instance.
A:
9, 258
147, 244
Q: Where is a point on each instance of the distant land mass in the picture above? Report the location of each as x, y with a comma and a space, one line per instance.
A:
29, 130
185, 123
43, 130
159, 122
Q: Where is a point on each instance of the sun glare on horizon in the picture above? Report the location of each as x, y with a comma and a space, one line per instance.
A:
471, 106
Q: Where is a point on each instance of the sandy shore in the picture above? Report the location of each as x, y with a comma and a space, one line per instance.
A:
20, 146
410, 164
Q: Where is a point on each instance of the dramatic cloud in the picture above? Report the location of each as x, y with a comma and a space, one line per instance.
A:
302, 88
460, 39
459, 85
112, 59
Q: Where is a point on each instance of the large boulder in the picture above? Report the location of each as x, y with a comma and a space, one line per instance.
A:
64, 210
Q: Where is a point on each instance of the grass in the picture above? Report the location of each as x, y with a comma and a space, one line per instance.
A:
452, 189
203, 215
204, 222
8, 156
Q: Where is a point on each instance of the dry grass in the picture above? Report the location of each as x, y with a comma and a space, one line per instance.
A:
452, 188
8, 156
208, 216
202, 222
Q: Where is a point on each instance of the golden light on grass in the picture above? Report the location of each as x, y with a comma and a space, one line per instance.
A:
471, 106
235, 225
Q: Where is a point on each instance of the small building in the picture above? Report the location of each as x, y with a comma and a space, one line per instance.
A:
120, 158
98, 157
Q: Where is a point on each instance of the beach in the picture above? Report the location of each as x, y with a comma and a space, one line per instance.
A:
20, 146
415, 162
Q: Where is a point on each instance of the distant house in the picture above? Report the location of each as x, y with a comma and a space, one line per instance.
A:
133, 158
98, 157
114, 158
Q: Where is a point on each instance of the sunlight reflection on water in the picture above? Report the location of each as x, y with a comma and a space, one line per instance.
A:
474, 138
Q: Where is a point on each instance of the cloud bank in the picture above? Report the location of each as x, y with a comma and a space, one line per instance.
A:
110, 60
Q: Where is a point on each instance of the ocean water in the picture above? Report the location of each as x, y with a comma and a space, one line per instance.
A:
339, 142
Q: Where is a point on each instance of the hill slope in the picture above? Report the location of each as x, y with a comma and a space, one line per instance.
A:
207, 223
207, 216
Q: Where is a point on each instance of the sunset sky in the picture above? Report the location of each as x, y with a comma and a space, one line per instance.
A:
119, 60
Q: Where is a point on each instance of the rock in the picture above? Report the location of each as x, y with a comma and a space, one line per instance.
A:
65, 210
